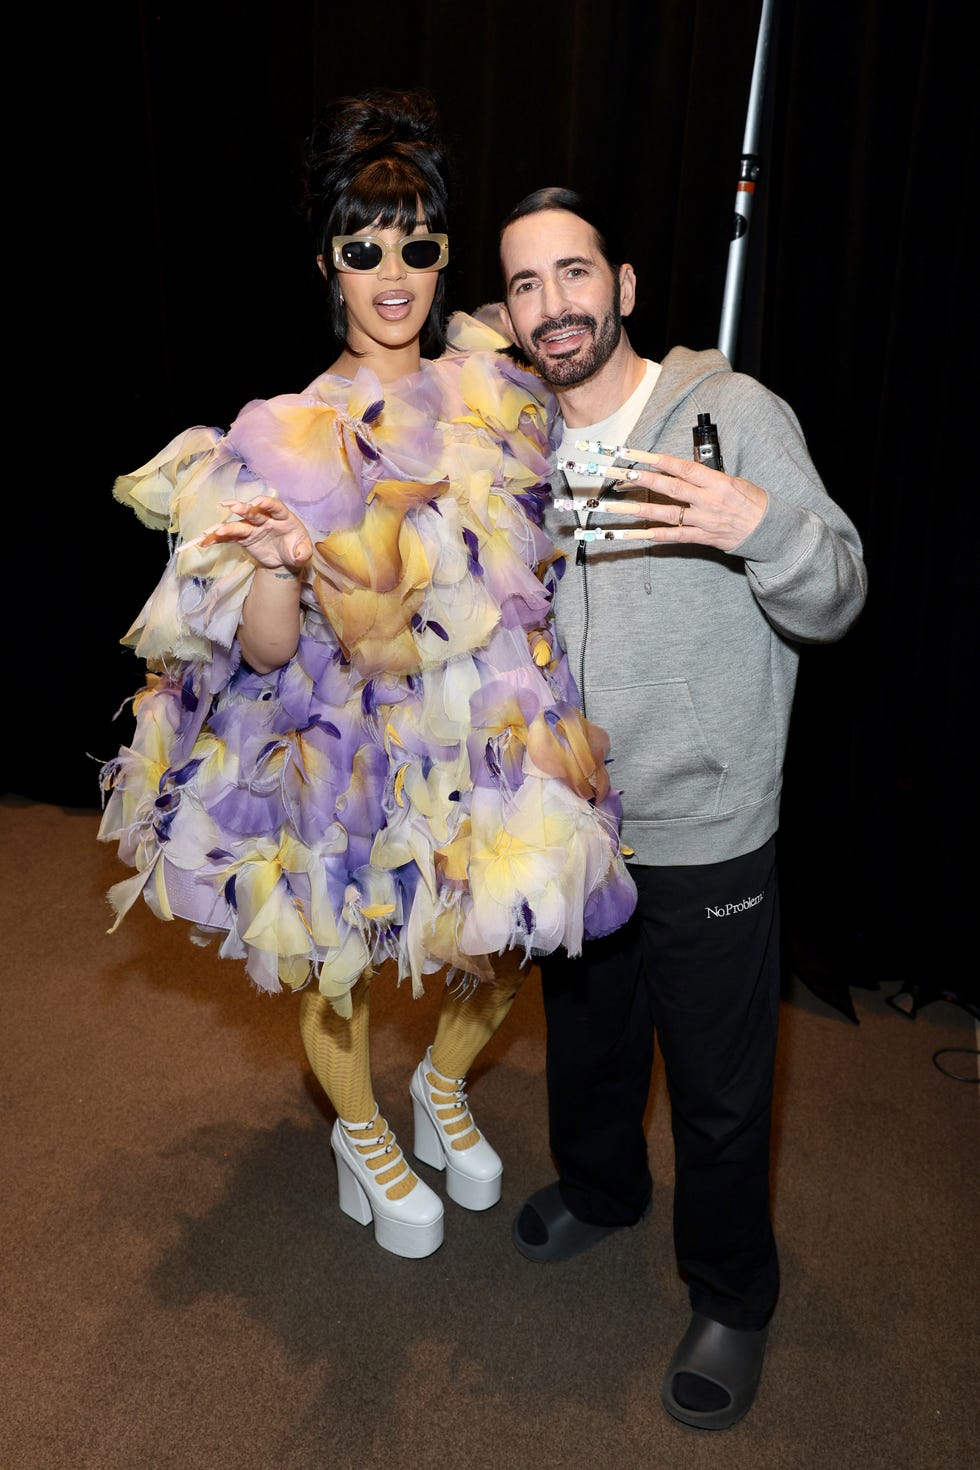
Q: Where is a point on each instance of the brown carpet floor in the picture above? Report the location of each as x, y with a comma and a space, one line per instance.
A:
181, 1290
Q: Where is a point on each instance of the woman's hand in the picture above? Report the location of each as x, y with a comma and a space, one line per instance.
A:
278, 542
267, 530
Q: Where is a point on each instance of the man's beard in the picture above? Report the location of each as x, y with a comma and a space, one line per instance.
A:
567, 372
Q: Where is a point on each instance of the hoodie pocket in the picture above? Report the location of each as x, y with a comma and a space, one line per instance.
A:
659, 757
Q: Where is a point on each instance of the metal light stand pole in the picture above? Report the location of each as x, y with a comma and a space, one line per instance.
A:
748, 173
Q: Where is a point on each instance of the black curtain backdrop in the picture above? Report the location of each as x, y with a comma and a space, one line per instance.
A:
168, 279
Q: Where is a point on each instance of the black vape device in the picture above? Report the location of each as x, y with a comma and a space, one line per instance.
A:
706, 447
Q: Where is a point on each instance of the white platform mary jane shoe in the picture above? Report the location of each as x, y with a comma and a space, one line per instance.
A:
444, 1138
372, 1175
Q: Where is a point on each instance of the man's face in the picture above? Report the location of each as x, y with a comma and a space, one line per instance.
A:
564, 301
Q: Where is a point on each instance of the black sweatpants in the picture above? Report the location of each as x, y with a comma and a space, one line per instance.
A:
699, 964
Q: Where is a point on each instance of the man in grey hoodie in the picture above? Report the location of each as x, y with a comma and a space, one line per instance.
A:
683, 631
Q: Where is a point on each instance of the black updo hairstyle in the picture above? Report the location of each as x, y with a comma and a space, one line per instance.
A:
373, 159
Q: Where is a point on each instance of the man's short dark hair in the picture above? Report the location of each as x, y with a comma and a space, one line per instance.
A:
574, 203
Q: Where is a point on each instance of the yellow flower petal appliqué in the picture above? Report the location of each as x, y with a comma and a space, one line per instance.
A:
572, 749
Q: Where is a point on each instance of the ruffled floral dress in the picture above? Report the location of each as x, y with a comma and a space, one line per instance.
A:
418, 782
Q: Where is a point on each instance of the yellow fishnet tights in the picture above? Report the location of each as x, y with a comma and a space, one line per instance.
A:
466, 1024
339, 1050
339, 1053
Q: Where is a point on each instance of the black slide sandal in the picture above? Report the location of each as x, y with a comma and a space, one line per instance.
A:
546, 1230
723, 1358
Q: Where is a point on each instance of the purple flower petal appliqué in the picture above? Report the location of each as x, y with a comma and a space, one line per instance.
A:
533, 502
327, 726
473, 547
608, 906
163, 824
181, 777
245, 814
367, 449
419, 624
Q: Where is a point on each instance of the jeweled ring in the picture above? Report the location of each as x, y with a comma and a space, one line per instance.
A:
680, 518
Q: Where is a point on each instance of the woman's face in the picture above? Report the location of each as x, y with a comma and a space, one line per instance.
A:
387, 309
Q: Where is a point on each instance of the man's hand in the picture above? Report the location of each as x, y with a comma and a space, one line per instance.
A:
706, 507
267, 530
709, 508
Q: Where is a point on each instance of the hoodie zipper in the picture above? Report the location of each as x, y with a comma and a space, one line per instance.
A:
583, 517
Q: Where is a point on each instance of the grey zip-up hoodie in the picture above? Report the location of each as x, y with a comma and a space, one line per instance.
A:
687, 656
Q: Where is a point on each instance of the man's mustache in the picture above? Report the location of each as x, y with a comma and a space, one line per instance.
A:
544, 328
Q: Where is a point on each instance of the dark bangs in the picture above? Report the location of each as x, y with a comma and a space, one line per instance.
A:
387, 192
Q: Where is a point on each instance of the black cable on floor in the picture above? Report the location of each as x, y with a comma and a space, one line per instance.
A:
956, 1051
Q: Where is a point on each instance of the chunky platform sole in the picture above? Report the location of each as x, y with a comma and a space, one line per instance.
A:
412, 1227
473, 1175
